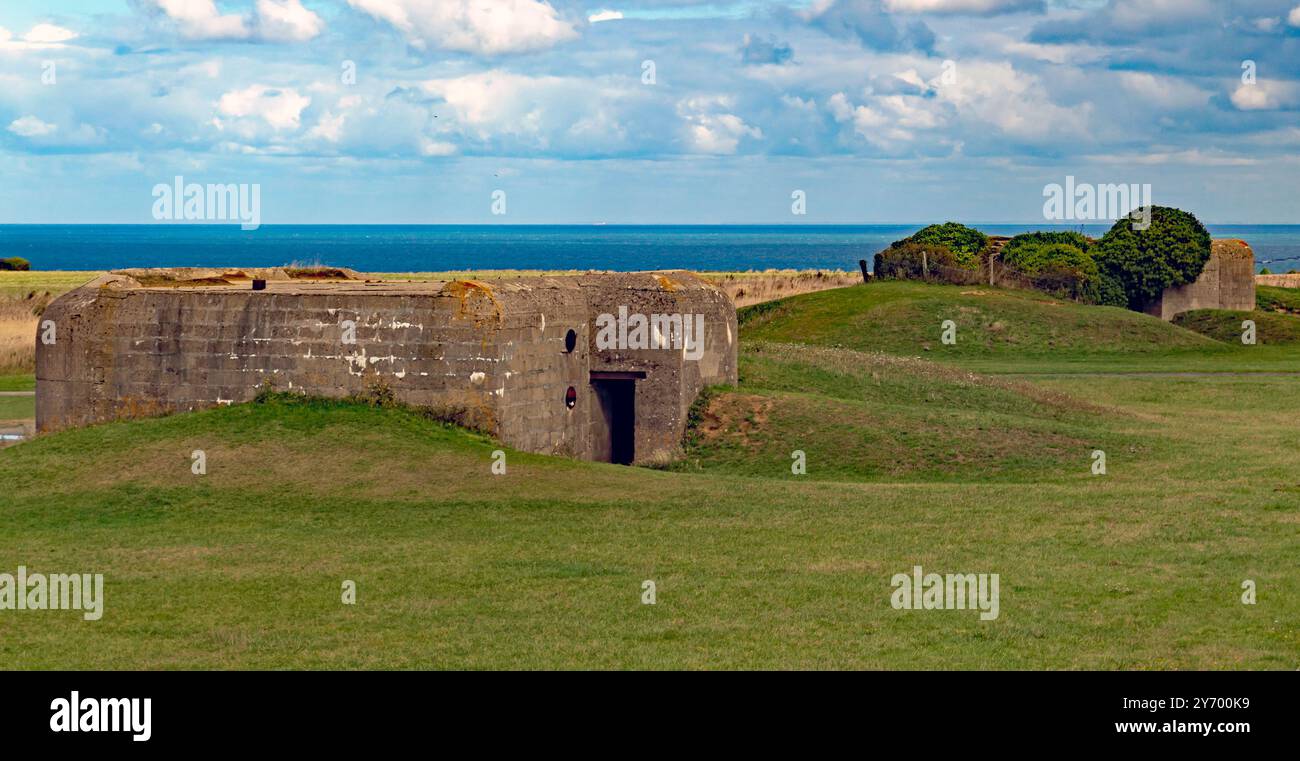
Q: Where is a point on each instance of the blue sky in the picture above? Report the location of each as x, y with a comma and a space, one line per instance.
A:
878, 110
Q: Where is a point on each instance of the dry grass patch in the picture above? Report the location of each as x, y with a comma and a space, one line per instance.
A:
18, 320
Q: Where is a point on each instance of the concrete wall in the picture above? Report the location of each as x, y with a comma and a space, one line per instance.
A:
138, 344
1227, 282
1280, 281
672, 382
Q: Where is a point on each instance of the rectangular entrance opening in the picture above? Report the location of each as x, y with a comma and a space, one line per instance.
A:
615, 434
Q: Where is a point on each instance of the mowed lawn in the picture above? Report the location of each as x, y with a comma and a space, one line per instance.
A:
754, 567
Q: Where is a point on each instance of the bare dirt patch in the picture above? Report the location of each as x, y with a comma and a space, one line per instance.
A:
738, 415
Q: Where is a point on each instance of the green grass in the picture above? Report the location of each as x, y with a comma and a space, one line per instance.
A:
1226, 325
20, 284
18, 382
910, 463
1000, 331
1274, 299
859, 416
17, 408
907, 319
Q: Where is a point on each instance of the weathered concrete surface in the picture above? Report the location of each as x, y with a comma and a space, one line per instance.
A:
1281, 281
147, 342
1227, 282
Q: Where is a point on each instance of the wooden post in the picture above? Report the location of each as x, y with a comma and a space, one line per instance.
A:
925, 265
866, 278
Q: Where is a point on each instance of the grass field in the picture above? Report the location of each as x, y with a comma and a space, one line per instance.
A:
1228, 325
1274, 299
913, 458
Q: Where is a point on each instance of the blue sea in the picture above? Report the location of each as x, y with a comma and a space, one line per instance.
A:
421, 248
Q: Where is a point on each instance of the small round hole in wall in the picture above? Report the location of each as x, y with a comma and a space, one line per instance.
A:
570, 397
570, 341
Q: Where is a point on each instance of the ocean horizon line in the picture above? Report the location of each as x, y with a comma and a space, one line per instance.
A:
517, 246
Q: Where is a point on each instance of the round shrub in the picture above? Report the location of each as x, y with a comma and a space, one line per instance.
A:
905, 261
1038, 239
1107, 290
1034, 258
15, 263
1172, 250
964, 242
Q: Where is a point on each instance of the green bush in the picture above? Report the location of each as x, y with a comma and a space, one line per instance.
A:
1034, 258
1055, 262
1171, 251
1039, 239
15, 263
1108, 291
905, 261
964, 242
1266, 271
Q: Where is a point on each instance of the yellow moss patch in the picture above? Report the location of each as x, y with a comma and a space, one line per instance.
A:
666, 283
473, 295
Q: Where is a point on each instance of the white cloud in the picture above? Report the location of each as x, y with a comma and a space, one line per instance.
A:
81, 136
430, 147
39, 37
49, 33
272, 20
287, 21
1163, 91
974, 7
330, 127
200, 20
1190, 157
1015, 102
30, 126
710, 128
603, 15
497, 100
1294, 18
504, 113
1057, 53
1265, 96
281, 108
889, 121
473, 26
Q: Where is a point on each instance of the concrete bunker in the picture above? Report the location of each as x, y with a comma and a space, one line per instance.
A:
520, 358
1226, 282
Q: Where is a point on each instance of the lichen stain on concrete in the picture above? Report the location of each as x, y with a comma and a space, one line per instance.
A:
666, 283
471, 293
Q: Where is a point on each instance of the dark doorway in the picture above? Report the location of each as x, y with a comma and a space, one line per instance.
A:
617, 402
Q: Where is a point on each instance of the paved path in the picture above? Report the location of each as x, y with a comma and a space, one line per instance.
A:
17, 393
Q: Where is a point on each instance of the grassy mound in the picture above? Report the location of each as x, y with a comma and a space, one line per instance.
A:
543, 567
1274, 299
906, 319
1225, 325
859, 416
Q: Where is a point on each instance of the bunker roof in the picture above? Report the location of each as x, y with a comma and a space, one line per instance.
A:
288, 280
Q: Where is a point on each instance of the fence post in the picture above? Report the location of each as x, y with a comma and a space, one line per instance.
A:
925, 265
862, 263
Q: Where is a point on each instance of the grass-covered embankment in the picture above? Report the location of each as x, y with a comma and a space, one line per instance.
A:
543, 567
